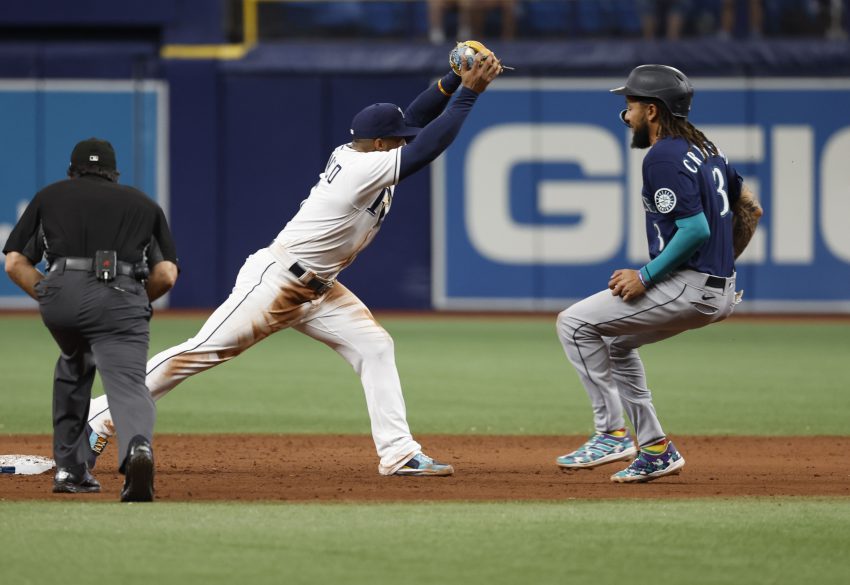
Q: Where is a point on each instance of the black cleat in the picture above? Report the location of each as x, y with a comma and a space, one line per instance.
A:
74, 480
138, 472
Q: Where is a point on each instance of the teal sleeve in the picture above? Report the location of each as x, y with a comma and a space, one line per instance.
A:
691, 233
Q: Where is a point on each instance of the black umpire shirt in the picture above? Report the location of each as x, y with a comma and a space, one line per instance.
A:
82, 215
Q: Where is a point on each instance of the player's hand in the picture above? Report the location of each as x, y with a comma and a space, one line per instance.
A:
626, 284
484, 69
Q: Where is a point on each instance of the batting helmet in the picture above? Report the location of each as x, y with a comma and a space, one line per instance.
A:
662, 82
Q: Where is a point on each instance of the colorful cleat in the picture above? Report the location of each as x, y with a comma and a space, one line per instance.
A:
421, 464
648, 466
599, 449
98, 443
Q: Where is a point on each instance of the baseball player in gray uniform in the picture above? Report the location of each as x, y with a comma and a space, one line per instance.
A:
699, 218
293, 282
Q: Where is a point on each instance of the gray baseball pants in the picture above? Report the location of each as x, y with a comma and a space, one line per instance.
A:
102, 326
601, 335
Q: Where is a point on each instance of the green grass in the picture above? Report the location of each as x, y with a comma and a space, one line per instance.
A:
461, 375
695, 542
472, 375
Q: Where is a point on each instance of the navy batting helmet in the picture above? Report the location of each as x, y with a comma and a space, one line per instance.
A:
662, 82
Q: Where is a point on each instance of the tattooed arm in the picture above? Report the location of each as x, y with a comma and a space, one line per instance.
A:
747, 214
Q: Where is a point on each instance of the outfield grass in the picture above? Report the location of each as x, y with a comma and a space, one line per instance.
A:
473, 375
694, 542
461, 375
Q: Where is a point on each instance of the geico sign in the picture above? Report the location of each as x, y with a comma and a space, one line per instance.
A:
609, 200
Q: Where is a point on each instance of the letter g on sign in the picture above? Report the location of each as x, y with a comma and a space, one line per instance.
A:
497, 235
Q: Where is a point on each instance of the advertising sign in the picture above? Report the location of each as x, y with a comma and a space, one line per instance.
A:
42, 120
538, 201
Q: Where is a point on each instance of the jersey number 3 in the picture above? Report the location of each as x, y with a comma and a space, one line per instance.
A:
720, 186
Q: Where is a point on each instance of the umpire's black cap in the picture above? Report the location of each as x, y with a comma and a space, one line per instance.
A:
93, 152
381, 121
662, 82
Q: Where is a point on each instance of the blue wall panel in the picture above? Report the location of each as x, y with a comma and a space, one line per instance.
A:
195, 189
394, 271
40, 124
247, 141
277, 134
271, 154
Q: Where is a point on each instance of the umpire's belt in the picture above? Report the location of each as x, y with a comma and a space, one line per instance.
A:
307, 277
87, 265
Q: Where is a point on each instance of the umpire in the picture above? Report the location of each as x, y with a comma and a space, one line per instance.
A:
109, 254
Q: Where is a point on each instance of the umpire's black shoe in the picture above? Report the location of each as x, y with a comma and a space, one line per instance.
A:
138, 472
74, 480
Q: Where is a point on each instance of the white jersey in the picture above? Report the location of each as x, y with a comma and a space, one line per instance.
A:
344, 210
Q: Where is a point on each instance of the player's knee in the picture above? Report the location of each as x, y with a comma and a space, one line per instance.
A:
378, 348
384, 347
567, 324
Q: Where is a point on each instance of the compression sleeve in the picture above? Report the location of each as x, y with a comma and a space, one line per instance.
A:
430, 103
691, 233
436, 136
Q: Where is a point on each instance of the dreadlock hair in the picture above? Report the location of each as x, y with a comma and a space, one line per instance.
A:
675, 127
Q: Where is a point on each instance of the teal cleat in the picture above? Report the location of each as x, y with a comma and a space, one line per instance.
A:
420, 465
98, 443
648, 466
599, 449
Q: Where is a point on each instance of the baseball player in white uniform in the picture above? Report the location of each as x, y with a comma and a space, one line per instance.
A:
293, 282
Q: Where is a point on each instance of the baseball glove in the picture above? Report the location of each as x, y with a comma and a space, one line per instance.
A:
466, 50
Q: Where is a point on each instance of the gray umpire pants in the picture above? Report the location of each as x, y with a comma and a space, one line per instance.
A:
103, 326
601, 335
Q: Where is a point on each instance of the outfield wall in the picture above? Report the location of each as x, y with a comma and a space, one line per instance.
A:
531, 208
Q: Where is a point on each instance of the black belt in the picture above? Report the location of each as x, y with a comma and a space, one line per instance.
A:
716, 282
87, 265
315, 283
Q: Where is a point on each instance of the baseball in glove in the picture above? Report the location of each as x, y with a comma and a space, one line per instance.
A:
466, 50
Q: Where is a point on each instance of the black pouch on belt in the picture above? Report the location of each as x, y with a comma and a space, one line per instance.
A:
105, 264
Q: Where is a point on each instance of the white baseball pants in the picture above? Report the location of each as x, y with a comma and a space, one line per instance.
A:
267, 298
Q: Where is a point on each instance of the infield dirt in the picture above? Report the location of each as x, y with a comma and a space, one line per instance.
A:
487, 468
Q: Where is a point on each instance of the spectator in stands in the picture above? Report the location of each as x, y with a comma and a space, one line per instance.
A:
727, 18
818, 18
835, 29
471, 18
652, 12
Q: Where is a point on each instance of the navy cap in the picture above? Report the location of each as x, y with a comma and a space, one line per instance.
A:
381, 121
93, 152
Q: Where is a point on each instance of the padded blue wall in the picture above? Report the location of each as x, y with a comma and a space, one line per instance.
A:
194, 111
247, 139
277, 133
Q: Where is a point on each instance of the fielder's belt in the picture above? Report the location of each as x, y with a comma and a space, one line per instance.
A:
316, 283
307, 277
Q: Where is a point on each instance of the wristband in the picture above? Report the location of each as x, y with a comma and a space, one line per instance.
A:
448, 84
645, 281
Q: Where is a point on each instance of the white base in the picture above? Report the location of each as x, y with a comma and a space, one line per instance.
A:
25, 464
